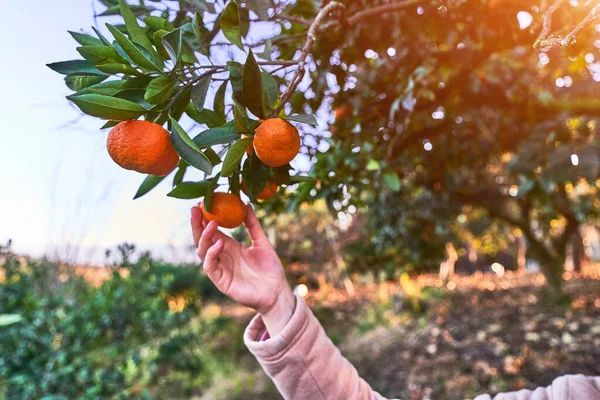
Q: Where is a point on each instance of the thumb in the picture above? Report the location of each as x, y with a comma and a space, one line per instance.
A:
254, 228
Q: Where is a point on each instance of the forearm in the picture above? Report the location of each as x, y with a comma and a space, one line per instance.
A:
276, 318
303, 362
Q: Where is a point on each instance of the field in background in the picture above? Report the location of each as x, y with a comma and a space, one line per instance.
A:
155, 330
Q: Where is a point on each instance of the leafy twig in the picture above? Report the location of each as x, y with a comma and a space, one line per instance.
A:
162, 117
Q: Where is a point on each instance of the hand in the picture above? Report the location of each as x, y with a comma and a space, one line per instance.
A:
252, 276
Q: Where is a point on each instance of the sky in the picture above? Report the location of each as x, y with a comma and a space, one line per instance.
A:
61, 194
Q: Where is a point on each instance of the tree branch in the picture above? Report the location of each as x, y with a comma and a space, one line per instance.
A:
380, 10
310, 40
547, 23
290, 18
285, 63
572, 36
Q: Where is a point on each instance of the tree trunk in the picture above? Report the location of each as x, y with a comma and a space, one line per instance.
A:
552, 267
522, 254
578, 250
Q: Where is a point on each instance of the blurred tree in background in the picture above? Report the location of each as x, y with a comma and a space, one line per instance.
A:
442, 110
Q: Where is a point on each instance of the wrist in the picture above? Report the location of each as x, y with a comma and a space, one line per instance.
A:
277, 316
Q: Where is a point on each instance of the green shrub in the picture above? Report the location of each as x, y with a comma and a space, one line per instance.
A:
80, 341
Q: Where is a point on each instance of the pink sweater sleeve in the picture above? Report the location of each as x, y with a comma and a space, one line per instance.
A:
567, 387
303, 362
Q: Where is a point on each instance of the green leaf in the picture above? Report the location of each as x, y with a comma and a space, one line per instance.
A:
180, 105
303, 118
190, 190
271, 90
199, 91
136, 32
135, 53
190, 44
230, 24
281, 175
214, 183
219, 102
391, 179
104, 40
234, 155
241, 120
212, 156
203, 35
252, 87
158, 23
115, 68
107, 107
222, 135
98, 55
373, 165
78, 82
244, 16
173, 43
149, 183
187, 149
75, 67
158, 37
85, 39
258, 176
267, 53
236, 75
181, 169
109, 124
208, 117
159, 90
300, 178
9, 319
234, 183
135, 95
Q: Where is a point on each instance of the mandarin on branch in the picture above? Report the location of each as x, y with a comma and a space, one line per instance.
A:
227, 209
276, 142
268, 191
142, 146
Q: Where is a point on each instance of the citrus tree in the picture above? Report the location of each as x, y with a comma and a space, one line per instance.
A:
437, 107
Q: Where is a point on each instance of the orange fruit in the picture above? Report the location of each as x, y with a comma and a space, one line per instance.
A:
268, 191
142, 146
276, 142
342, 112
227, 209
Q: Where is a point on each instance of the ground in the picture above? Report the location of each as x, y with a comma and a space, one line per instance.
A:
474, 339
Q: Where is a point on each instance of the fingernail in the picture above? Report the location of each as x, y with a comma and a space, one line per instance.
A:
219, 242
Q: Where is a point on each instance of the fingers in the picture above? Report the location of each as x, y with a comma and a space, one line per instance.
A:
211, 262
208, 238
197, 224
254, 229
